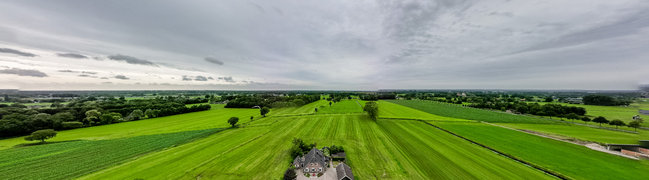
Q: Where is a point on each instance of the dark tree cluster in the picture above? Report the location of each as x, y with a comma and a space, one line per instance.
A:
300, 148
18, 120
266, 100
555, 110
602, 100
375, 97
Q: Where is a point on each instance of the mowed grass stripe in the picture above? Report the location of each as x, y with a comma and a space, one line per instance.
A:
568, 159
450, 157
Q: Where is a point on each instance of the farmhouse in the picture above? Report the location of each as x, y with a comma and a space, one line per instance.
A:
313, 162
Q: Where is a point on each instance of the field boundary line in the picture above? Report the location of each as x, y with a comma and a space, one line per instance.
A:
540, 168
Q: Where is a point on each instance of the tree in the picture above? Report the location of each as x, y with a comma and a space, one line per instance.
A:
585, 119
572, 116
63, 117
41, 135
110, 118
251, 118
617, 123
634, 124
372, 109
92, 116
600, 120
264, 111
548, 99
329, 103
150, 113
316, 109
136, 115
290, 174
233, 121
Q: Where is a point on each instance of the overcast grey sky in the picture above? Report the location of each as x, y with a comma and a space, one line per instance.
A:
313, 44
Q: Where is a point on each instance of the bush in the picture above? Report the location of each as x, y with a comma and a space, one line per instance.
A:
72, 125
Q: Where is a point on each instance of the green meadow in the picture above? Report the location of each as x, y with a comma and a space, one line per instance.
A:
201, 145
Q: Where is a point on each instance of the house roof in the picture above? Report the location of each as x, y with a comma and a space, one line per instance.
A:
314, 156
343, 170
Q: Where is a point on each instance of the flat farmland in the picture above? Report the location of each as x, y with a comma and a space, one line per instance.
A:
342, 107
385, 149
568, 159
210, 119
583, 133
457, 111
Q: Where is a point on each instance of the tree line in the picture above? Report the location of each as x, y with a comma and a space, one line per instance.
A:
266, 100
16, 120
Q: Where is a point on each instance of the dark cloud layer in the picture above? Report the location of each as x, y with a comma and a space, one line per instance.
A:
72, 55
214, 60
16, 52
227, 79
131, 60
200, 78
122, 77
23, 72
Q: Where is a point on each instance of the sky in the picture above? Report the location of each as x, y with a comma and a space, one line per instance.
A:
323, 45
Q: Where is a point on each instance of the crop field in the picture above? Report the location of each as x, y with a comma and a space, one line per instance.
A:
612, 112
344, 106
65, 160
583, 133
392, 110
568, 159
456, 111
374, 149
302, 110
210, 119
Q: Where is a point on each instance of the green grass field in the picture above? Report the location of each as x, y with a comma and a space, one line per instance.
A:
66, 160
569, 159
456, 111
612, 112
214, 118
342, 107
396, 146
384, 149
584, 133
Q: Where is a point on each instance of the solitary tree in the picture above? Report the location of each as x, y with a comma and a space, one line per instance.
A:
264, 111
233, 121
251, 118
585, 119
372, 109
617, 123
316, 109
329, 103
634, 124
41, 135
600, 120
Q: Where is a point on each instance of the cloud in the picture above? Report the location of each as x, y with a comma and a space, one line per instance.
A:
131, 60
122, 77
23, 72
227, 79
210, 78
200, 78
88, 72
186, 78
16, 52
68, 71
72, 55
213, 60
